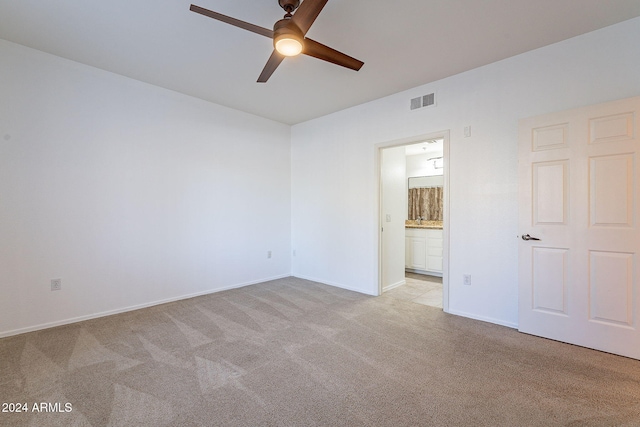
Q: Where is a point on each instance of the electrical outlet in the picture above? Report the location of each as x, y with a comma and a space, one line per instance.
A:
467, 131
268, 254
388, 218
56, 284
466, 279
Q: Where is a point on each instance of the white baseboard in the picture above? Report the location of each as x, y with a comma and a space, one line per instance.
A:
394, 285
133, 307
337, 285
484, 319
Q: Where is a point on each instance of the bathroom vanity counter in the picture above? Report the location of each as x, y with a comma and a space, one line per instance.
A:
437, 225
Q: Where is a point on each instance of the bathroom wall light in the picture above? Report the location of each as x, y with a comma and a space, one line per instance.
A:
438, 162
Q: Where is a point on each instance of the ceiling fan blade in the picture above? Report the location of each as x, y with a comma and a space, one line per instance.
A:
274, 60
233, 21
307, 12
320, 51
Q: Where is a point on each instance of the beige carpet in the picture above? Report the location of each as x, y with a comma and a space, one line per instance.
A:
296, 353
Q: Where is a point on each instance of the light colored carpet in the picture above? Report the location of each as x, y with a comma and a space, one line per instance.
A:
297, 353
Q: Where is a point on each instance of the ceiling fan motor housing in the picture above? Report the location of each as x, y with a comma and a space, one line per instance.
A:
289, 5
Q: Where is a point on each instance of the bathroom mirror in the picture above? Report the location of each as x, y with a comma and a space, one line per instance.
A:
425, 198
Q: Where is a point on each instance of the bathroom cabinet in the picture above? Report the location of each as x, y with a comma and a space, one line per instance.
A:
423, 250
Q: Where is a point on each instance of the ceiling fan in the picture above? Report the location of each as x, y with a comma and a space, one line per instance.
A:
288, 35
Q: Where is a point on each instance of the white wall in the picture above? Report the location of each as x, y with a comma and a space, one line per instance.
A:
334, 178
393, 185
420, 165
426, 181
129, 193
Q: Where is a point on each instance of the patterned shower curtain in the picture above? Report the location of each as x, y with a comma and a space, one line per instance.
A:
425, 203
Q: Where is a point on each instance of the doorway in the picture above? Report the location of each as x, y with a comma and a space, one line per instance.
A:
413, 219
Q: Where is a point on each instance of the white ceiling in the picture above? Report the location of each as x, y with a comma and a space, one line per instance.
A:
403, 44
432, 147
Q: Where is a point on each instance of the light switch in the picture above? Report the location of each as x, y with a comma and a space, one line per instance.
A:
388, 218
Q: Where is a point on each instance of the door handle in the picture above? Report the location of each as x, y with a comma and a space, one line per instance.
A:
527, 237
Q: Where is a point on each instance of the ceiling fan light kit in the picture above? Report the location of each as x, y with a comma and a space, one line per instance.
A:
289, 35
287, 38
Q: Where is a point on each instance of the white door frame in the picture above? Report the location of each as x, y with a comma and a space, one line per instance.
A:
446, 206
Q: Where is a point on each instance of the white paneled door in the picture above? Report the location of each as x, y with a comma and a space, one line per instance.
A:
579, 195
